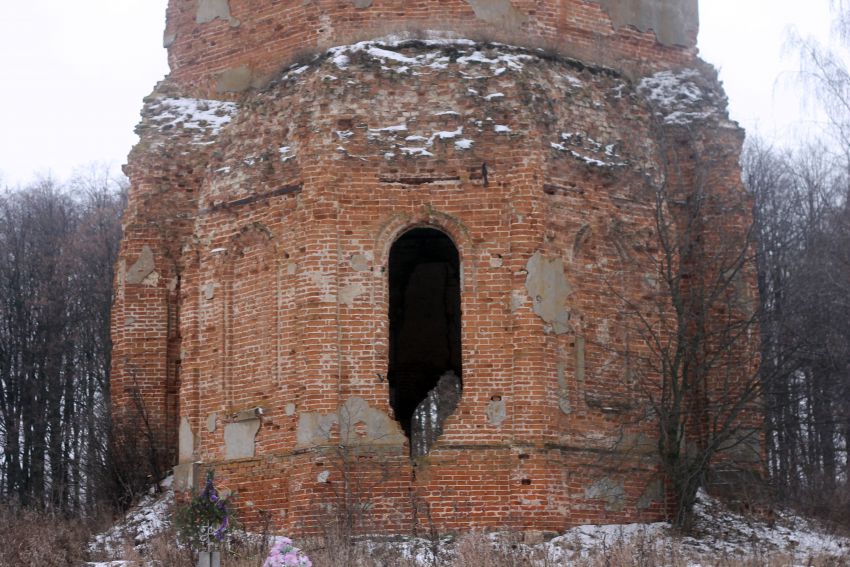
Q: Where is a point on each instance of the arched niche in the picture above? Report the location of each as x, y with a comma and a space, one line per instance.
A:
425, 366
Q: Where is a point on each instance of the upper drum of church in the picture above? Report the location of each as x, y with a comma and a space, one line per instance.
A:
228, 46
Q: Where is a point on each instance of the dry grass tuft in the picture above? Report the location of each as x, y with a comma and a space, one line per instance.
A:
35, 538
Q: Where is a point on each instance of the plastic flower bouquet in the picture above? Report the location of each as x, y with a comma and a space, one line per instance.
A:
207, 520
284, 554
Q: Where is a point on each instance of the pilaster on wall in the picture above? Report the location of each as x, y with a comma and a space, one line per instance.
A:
147, 342
143, 374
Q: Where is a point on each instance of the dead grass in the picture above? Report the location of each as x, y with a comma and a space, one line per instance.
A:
478, 550
29, 537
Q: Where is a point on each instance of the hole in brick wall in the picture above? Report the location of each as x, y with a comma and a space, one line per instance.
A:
525, 481
425, 348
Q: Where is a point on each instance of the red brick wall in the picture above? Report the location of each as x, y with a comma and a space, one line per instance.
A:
266, 35
271, 288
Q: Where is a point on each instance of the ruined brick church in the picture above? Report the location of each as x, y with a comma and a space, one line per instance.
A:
384, 253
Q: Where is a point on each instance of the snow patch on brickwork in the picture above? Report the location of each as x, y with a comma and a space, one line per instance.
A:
590, 151
421, 152
680, 97
286, 153
205, 117
427, 142
387, 51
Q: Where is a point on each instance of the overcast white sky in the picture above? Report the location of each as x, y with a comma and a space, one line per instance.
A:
73, 74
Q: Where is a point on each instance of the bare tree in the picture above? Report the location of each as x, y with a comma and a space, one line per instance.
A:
696, 364
801, 214
57, 248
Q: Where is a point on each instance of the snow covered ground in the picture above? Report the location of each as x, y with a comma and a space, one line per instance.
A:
149, 518
727, 538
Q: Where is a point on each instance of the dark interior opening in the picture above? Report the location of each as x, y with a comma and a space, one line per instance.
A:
425, 350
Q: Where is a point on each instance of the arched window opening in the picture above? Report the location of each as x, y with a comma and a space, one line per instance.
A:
425, 347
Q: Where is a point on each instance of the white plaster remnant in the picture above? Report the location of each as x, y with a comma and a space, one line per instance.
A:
501, 13
674, 23
209, 10
185, 442
211, 422
497, 412
518, 298
289, 409
358, 423
603, 332
563, 391
152, 280
610, 490
548, 289
142, 268
654, 492
349, 293
239, 438
360, 263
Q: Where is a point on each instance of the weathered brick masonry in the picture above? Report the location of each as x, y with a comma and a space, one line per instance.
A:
314, 237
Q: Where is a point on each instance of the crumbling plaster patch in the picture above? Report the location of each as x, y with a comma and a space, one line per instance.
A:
563, 391
186, 476
360, 262
673, 21
497, 411
235, 80
548, 288
610, 490
654, 492
185, 442
499, 13
142, 269
358, 423
209, 10
348, 293
239, 438
211, 422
